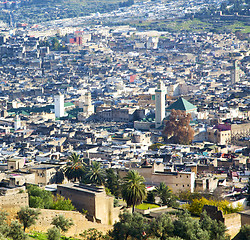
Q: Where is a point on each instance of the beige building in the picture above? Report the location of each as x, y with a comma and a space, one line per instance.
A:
224, 134
155, 174
15, 163
45, 174
94, 199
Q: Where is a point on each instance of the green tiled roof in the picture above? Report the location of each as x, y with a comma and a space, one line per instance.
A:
68, 104
181, 104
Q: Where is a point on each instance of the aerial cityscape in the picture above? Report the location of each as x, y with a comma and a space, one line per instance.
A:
125, 120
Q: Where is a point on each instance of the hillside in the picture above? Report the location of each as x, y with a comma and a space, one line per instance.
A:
35, 11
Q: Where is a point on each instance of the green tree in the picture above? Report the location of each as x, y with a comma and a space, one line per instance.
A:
133, 189
95, 174
189, 229
133, 226
196, 206
166, 195
16, 232
244, 233
217, 230
4, 228
39, 198
112, 182
92, 234
76, 169
151, 196
60, 203
62, 223
27, 216
54, 233
162, 227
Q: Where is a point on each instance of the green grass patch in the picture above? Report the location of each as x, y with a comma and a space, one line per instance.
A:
239, 26
38, 235
145, 206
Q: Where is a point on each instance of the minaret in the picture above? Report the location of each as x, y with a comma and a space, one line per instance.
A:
159, 104
235, 72
17, 123
59, 105
88, 108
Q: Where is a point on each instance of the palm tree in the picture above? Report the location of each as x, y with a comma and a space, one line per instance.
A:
76, 168
95, 174
164, 193
133, 189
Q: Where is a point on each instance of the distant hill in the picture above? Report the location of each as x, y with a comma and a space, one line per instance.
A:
229, 7
35, 11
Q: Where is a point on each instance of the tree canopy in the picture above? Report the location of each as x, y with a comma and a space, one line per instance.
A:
166, 227
27, 216
133, 188
177, 129
95, 174
40, 198
76, 168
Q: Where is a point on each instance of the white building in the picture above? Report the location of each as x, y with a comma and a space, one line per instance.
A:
159, 104
59, 105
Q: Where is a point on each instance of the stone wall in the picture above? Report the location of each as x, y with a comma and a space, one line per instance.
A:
232, 221
14, 201
80, 222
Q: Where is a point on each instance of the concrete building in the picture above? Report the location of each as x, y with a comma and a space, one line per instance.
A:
159, 104
59, 105
94, 199
155, 174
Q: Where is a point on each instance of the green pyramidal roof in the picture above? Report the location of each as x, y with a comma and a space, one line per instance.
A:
182, 104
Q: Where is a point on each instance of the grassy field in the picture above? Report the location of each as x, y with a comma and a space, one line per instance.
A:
145, 206
194, 25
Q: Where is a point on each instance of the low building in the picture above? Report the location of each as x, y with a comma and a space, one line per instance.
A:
155, 174
94, 199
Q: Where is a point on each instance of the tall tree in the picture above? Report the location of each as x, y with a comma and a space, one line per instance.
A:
133, 189
112, 182
95, 174
166, 195
27, 216
177, 128
76, 168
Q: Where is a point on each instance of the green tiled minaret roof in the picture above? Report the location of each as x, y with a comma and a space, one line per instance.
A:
182, 104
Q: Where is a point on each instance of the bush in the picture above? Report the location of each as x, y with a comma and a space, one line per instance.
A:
62, 223
197, 205
54, 234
